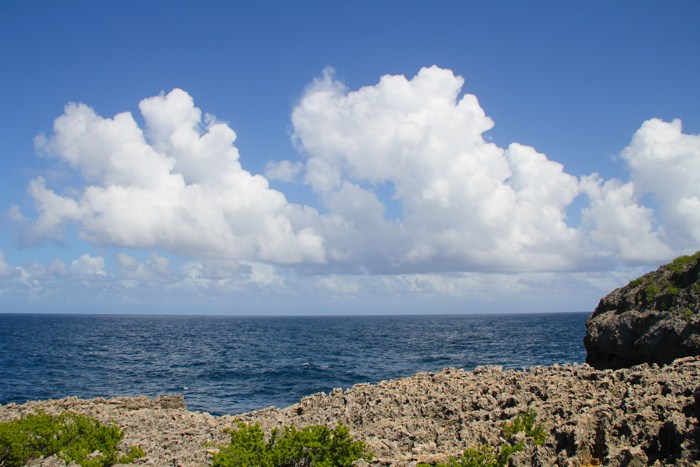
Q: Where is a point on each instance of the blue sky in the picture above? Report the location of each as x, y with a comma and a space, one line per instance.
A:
343, 157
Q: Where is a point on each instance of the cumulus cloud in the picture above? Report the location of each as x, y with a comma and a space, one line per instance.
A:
665, 163
464, 204
468, 204
619, 223
179, 187
284, 171
89, 267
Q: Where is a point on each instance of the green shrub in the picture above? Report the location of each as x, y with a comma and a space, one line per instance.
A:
316, 446
525, 422
688, 313
678, 264
651, 292
70, 436
489, 456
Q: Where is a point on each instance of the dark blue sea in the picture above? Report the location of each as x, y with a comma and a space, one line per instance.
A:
232, 364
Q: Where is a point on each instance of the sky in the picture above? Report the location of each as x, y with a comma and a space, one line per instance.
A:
320, 158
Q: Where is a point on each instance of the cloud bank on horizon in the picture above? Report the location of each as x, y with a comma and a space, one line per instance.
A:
466, 205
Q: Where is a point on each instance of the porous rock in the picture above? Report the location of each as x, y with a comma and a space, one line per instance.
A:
645, 415
653, 319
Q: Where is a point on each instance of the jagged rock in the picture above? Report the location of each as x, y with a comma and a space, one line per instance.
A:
645, 415
653, 319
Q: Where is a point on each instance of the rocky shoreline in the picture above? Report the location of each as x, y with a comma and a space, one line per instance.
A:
644, 415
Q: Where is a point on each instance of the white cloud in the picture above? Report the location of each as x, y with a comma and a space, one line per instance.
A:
40, 272
260, 288
88, 267
7, 271
266, 276
337, 285
284, 171
15, 214
468, 204
620, 224
155, 268
181, 189
665, 163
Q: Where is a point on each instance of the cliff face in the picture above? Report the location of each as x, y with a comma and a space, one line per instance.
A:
653, 319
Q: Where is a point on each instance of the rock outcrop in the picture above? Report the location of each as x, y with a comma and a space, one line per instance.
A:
653, 319
645, 415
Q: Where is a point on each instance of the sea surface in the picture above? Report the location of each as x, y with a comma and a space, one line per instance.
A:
233, 364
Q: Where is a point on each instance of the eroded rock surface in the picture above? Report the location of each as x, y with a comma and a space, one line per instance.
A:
645, 415
653, 319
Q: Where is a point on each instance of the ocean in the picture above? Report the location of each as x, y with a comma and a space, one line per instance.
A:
234, 364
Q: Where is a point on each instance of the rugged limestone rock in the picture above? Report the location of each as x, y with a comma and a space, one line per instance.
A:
169, 434
653, 319
645, 415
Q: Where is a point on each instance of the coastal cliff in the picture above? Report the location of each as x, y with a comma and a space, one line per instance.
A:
653, 319
645, 415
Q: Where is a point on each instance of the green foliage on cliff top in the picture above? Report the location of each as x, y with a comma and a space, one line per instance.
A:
490, 456
316, 446
70, 436
659, 285
678, 264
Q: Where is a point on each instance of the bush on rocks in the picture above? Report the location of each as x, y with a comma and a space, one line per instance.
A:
70, 436
316, 446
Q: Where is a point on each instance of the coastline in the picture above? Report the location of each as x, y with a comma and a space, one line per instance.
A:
634, 416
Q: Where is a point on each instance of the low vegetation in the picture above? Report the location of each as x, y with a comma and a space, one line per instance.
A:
490, 456
669, 286
317, 446
81, 439
679, 264
70, 436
